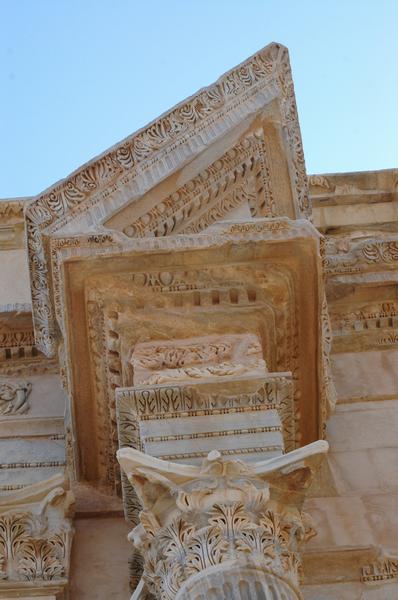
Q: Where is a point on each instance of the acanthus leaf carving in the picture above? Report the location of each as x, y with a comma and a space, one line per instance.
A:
222, 513
36, 534
265, 76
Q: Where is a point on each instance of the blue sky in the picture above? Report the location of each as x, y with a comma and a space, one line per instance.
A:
79, 75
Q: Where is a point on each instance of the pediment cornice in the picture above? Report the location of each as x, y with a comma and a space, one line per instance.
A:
129, 169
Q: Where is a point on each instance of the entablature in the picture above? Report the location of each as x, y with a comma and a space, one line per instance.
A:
258, 277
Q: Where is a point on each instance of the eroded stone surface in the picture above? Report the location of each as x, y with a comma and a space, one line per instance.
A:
180, 272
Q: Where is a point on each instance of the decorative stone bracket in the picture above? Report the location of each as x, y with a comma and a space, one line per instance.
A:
35, 540
227, 529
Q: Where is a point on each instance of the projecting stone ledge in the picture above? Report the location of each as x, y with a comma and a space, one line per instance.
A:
225, 529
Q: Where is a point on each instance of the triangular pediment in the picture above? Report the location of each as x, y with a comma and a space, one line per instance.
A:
231, 150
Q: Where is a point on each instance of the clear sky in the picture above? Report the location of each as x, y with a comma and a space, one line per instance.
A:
77, 76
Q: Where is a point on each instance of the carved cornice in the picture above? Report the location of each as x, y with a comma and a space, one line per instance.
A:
212, 522
364, 326
175, 136
11, 210
351, 256
359, 321
281, 229
262, 281
17, 338
12, 224
352, 188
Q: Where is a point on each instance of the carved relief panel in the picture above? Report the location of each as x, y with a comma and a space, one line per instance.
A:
14, 397
197, 358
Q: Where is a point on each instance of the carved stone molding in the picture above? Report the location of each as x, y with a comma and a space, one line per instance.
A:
11, 210
159, 150
35, 537
14, 397
253, 417
241, 175
213, 355
24, 368
12, 224
351, 255
17, 338
385, 569
365, 325
246, 273
226, 523
361, 273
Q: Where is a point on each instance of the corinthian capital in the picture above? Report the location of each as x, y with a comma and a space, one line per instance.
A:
35, 540
227, 527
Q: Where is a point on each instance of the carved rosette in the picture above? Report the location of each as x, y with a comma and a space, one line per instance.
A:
225, 527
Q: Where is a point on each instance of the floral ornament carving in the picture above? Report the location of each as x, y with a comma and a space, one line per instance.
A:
159, 148
348, 255
36, 534
135, 405
328, 390
28, 551
241, 174
14, 397
157, 357
384, 569
225, 512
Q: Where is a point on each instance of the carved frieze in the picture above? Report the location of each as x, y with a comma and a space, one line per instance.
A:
240, 176
253, 417
385, 569
200, 357
347, 254
361, 273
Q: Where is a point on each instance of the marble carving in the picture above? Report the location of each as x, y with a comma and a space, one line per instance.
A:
198, 318
14, 397
201, 527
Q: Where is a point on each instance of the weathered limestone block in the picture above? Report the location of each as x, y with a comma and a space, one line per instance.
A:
226, 529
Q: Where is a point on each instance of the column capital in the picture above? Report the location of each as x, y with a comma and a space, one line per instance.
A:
35, 539
222, 523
